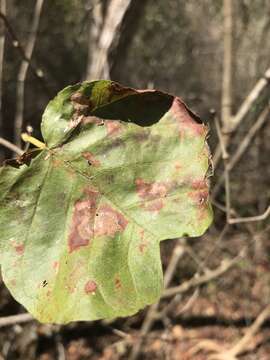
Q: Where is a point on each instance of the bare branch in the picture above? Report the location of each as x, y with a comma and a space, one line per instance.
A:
240, 346
17, 45
225, 157
23, 72
261, 217
242, 147
11, 146
151, 314
226, 99
251, 98
245, 108
203, 279
15, 319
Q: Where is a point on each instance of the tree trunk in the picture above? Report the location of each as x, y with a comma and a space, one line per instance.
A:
111, 28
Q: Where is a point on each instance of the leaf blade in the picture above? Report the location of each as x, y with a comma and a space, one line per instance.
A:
90, 210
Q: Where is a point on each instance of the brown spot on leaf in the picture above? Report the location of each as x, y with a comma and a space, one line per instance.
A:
74, 122
79, 98
82, 222
143, 246
199, 184
177, 166
117, 283
151, 190
56, 266
113, 127
199, 197
153, 193
81, 103
90, 287
19, 248
200, 194
109, 221
186, 119
119, 90
56, 162
81, 109
155, 205
91, 159
76, 274
143, 243
92, 120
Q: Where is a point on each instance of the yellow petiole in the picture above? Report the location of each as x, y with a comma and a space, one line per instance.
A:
32, 140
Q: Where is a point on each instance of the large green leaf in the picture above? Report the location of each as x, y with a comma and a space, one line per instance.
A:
80, 225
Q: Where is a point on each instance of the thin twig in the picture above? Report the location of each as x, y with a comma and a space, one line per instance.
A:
226, 98
15, 319
38, 73
261, 217
225, 157
23, 72
241, 346
245, 108
152, 311
189, 303
251, 98
253, 329
205, 278
11, 146
242, 147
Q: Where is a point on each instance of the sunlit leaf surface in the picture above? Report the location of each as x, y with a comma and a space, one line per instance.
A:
81, 222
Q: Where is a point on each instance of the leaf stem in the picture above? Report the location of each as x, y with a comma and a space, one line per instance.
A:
32, 140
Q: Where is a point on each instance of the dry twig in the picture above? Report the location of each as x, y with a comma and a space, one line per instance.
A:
15, 319
240, 347
152, 312
205, 278
11, 146
225, 157
242, 147
38, 73
247, 219
23, 71
226, 98
245, 108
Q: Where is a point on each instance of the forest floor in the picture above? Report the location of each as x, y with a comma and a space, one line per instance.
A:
214, 316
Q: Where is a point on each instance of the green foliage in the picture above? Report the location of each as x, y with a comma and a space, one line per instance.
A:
81, 220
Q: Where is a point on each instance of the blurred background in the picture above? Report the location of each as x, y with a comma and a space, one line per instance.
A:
215, 55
